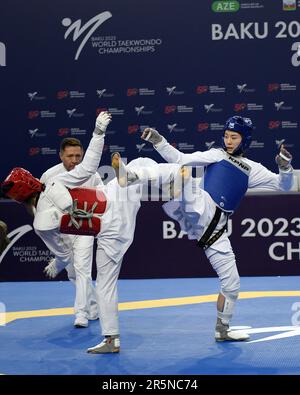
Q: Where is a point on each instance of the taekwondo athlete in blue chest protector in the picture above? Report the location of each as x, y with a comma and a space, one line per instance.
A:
202, 207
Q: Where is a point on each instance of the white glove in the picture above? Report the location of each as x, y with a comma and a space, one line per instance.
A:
102, 121
51, 269
151, 135
284, 159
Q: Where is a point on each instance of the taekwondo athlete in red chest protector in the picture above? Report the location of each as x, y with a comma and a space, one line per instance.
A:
62, 206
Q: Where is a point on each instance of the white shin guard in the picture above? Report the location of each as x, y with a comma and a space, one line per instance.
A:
229, 303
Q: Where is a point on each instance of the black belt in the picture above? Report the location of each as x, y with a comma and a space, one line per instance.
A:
205, 240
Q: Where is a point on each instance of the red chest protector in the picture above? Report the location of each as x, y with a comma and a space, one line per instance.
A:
85, 217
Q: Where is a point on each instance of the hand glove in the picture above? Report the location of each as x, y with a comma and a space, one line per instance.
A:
151, 135
51, 270
283, 159
102, 121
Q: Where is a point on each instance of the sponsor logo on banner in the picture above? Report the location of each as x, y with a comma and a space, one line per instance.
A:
184, 108
201, 89
79, 132
42, 150
33, 114
42, 113
73, 114
141, 111
274, 124
170, 109
133, 129
140, 92
63, 132
173, 91
62, 95
289, 5
132, 92
283, 124
247, 106
202, 126
2, 54
34, 96
239, 107
273, 87
82, 33
216, 126
242, 88
225, 6
35, 133
103, 93
281, 106
146, 92
217, 89
34, 151
48, 151
254, 107
289, 125
174, 128
212, 108
288, 87
77, 95
257, 144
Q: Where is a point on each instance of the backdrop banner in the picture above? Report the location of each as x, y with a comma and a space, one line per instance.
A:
264, 233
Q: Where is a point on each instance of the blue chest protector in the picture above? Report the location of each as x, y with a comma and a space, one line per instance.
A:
227, 182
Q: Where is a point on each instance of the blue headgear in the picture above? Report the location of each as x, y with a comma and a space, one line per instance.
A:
244, 127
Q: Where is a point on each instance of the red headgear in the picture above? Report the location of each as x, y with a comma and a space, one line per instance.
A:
20, 184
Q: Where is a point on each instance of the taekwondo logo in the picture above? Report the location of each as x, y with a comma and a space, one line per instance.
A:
32, 95
139, 109
2, 54
89, 28
171, 90
278, 105
171, 127
208, 107
100, 93
140, 147
174, 128
18, 233
32, 132
209, 144
103, 93
73, 114
241, 87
